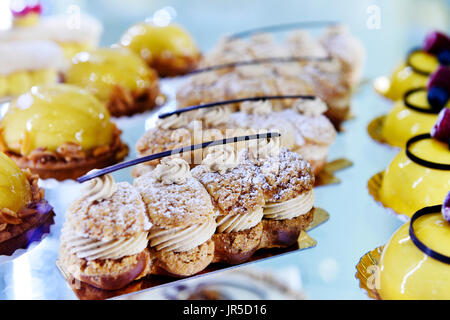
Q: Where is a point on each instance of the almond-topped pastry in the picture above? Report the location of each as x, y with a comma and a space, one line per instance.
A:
169, 49
117, 77
60, 131
24, 213
104, 238
289, 197
238, 200
183, 218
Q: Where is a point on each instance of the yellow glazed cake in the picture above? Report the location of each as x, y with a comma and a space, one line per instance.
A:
408, 273
404, 122
168, 49
60, 131
117, 77
408, 186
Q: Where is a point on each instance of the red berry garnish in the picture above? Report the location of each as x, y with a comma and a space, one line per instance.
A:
446, 207
20, 11
440, 78
441, 129
435, 42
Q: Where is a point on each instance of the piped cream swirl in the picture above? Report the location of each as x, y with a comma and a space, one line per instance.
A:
182, 239
93, 249
264, 148
263, 108
220, 159
99, 188
173, 122
214, 117
239, 222
291, 208
172, 170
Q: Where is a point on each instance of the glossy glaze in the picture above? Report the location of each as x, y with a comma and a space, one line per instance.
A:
19, 82
49, 116
408, 273
408, 186
99, 71
15, 191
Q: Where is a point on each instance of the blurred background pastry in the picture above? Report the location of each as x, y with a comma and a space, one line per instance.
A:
117, 77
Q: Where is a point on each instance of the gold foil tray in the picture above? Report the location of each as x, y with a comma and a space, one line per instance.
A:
87, 292
367, 272
327, 175
374, 186
375, 127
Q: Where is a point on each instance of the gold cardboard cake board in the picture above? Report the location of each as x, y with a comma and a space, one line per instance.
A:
374, 186
327, 175
374, 129
87, 292
367, 272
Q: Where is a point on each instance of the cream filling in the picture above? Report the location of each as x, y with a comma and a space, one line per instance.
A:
291, 208
99, 188
92, 249
182, 239
172, 170
239, 222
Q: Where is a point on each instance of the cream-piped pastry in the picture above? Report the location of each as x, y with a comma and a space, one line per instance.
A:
183, 218
73, 33
118, 77
24, 64
287, 184
104, 238
238, 200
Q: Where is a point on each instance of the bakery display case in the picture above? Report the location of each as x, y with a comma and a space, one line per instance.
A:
224, 150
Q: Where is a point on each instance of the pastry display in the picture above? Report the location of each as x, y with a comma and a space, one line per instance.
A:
24, 64
419, 175
117, 77
414, 264
419, 64
304, 129
25, 215
72, 34
169, 49
416, 113
328, 78
60, 131
104, 237
222, 211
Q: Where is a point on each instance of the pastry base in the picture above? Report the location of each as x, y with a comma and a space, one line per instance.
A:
175, 66
23, 235
337, 116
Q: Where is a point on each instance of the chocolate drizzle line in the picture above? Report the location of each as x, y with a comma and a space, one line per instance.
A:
167, 153
258, 61
414, 107
419, 244
420, 161
224, 102
282, 27
415, 69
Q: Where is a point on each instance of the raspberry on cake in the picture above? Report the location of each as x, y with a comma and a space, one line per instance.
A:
183, 219
238, 201
104, 238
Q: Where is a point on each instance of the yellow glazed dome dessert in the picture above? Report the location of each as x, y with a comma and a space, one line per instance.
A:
117, 77
419, 64
23, 209
408, 186
60, 131
168, 49
415, 262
